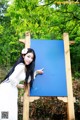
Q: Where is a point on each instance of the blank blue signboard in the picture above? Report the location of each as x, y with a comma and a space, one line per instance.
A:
50, 56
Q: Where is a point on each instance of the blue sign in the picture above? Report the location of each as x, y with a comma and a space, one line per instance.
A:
50, 56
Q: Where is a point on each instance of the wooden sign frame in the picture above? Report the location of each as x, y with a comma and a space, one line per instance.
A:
26, 97
70, 99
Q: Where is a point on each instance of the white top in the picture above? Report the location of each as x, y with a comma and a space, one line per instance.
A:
19, 75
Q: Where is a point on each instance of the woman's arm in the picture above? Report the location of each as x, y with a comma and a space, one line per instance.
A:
37, 72
14, 76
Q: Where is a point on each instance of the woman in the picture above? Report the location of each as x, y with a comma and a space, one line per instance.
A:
22, 70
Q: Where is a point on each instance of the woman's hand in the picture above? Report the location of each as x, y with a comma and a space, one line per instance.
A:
20, 86
39, 71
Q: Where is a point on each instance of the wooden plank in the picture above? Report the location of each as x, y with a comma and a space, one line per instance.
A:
71, 42
31, 98
27, 89
66, 2
71, 115
64, 99
26, 41
26, 104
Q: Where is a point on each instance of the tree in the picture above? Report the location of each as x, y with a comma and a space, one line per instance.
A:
46, 20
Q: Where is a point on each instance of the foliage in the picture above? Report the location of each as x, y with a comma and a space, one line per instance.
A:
51, 108
44, 19
48, 107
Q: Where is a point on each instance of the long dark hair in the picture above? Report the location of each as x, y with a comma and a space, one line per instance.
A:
30, 68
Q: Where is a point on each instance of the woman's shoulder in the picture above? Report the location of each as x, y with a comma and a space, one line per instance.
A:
20, 66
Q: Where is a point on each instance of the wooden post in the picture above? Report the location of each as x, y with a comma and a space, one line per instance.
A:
26, 41
66, 2
26, 104
70, 99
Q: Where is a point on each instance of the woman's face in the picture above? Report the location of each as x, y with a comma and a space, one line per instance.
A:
28, 58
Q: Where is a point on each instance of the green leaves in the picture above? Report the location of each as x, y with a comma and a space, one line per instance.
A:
44, 20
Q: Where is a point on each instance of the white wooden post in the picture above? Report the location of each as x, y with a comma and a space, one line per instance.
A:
70, 99
26, 41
